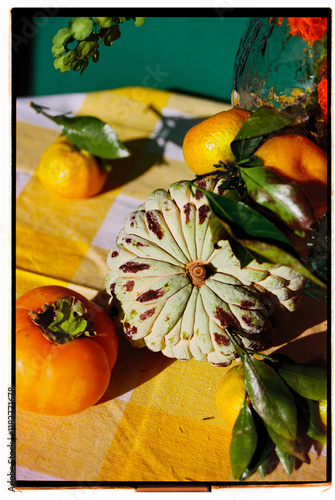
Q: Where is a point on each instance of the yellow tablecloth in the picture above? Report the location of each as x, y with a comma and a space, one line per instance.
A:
158, 420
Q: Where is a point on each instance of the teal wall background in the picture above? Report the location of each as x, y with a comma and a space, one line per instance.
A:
187, 54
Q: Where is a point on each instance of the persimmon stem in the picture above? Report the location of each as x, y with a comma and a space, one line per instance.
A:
63, 321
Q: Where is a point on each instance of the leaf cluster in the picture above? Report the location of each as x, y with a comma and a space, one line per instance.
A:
74, 45
267, 213
279, 411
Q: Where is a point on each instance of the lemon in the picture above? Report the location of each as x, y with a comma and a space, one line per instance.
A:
231, 395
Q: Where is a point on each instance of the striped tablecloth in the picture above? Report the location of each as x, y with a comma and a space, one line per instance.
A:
158, 420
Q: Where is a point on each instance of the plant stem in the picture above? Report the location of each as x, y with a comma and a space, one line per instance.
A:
245, 350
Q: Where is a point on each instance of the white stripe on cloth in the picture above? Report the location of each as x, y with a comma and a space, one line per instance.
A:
57, 104
114, 221
23, 473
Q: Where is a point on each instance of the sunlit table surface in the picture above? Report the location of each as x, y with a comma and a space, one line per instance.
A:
157, 421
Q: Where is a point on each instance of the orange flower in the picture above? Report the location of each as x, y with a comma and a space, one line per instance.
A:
309, 28
323, 98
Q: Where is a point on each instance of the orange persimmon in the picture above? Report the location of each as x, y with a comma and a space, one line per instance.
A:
66, 348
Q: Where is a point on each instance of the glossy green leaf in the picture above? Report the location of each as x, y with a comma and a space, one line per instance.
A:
93, 135
315, 430
241, 253
263, 468
261, 123
286, 459
307, 380
288, 446
284, 198
90, 134
244, 148
270, 397
251, 161
251, 222
261, 458
244, 441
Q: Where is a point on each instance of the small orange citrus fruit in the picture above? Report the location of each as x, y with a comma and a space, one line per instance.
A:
231, 395
209, 141
69, 172
299, 160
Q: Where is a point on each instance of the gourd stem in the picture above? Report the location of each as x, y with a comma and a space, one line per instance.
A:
198, 272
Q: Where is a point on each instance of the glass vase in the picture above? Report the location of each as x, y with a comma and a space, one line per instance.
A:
282, 62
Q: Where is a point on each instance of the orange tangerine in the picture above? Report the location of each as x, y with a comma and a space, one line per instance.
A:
209, 141
298, 159
70, 172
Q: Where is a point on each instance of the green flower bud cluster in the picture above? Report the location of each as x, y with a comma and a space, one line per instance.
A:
86, 34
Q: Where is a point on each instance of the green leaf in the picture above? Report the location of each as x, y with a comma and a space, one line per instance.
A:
261, 458
289, 446
263, 468
261, 123
243, 149
241, 253
307, 380
244, 441
286, 459
315, 430
93, 135
251, 161
270, 397
283, 198
251, 222
90, 134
